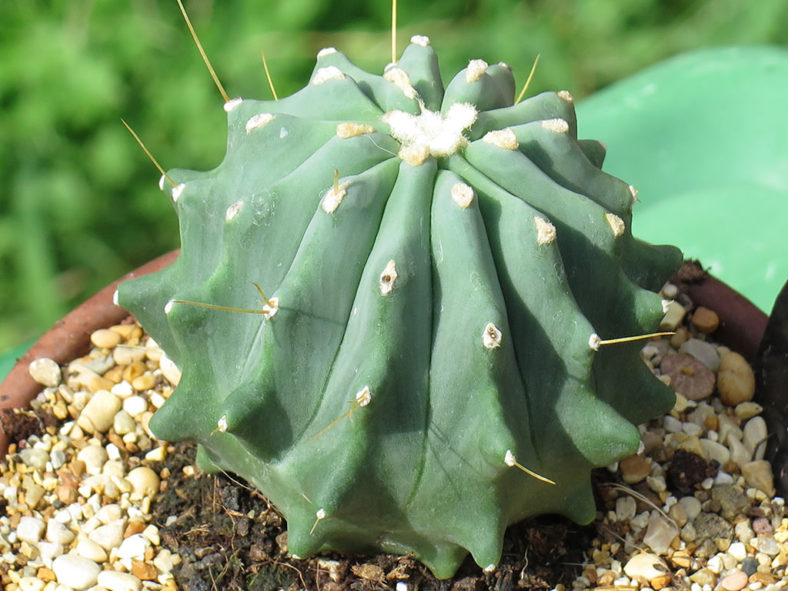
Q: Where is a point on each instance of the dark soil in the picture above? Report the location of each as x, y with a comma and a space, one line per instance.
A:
230, 537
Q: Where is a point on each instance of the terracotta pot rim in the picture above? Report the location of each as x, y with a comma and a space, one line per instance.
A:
68, 339
740, 321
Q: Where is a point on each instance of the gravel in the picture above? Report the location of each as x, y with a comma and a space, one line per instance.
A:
694, 509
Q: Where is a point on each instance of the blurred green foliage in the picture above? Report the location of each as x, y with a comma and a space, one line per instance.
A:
78, 199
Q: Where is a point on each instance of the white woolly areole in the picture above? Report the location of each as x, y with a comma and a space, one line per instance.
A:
503, 138
232, 103
323, 75
256, 121
161, 182
168, 307
556, 125
491, 337
594, 341
462, 194
400, 79
233, 210
509, 459
430, 133
221, 424
475, 70
334, 197
177, 191
616, 224
326, 51
545, 231
490, 568
634, 192
115, 297
566, 95
320, 514
271, 307
364, 396
388, 277
420, 40
351, 129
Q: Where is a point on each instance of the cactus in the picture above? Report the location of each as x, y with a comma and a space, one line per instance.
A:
426, 370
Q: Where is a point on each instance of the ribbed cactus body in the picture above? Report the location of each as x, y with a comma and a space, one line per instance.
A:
433, 312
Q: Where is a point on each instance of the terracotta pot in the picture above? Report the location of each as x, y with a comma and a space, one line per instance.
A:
740, 323
68, 339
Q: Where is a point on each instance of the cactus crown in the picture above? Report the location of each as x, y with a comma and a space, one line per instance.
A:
427, 368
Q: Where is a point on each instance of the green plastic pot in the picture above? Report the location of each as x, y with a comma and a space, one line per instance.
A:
8, 358
704, 138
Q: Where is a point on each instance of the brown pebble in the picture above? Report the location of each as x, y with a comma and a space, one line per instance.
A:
660, 582
46, 574
763, 578
144, 571
124, 330
634, 469
135, 526
66, 494
133, 371
115, 374
77, 467
681, 559
144, 382
368, 572
711, 422
735, 379
705, 320
688, 376
678, 339
97, 383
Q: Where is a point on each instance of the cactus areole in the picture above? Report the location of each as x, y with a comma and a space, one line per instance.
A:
425, 369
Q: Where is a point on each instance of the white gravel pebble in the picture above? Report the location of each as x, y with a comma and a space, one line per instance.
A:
703, 351
659, 533
646, 566
737, 549
123, 422
739, 454
672, 424
135, 405
34, 457
48, 551
170, 370
75, 571
45, 371
94, 457
59, 533
99, 412
108, 536
713, 450
31, 584
728, 428
145, 482
692, 506
133, 547
89, 549
30, 529
117, 581
754, 439
626, 508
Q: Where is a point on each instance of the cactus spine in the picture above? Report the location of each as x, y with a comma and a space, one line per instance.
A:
427, 368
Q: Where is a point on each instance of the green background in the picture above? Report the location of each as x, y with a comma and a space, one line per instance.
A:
79, 204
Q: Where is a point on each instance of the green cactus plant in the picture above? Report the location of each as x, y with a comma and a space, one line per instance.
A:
427, 369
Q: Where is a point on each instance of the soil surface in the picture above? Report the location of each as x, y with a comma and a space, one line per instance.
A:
230, 537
